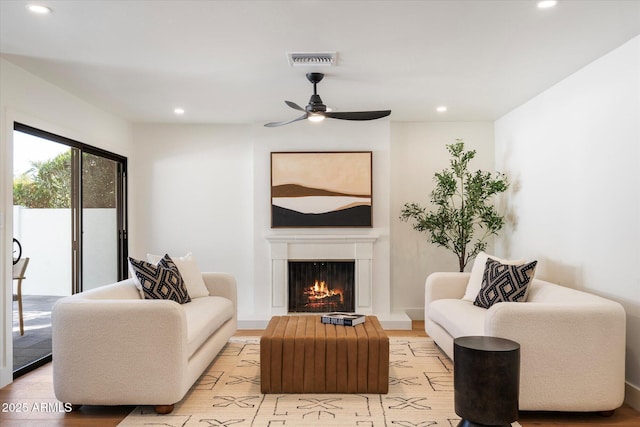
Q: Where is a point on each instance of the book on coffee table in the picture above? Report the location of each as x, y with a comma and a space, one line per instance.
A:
344, 319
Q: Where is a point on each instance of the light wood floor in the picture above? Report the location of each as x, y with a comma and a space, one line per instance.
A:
33, 393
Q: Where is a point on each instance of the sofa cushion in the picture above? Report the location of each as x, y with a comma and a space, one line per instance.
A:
205, 316
504, 283
477, 271
161, 281
190, 273
458, 317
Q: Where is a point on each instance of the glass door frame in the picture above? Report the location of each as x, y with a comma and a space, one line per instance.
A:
78, 148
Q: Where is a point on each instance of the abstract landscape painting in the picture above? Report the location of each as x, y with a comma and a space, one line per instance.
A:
321, 189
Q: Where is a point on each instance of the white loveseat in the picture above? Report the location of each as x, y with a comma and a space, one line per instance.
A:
572, 344
111, 347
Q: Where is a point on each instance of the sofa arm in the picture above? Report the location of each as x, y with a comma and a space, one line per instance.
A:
445, 285
121, 351
568, 351
222, 285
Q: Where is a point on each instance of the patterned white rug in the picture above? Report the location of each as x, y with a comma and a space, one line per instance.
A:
228, 395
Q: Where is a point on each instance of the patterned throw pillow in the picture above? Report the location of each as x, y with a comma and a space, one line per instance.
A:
162, 281
504, 283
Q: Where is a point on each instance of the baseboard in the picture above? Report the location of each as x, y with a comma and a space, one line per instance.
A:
253, 324
415, 313
6, 376
632, 396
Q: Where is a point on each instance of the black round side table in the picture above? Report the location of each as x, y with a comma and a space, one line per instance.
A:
486, 380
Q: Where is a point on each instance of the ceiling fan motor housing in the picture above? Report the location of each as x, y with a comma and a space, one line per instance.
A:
315, 105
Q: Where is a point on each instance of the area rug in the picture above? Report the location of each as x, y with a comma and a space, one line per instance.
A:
228, 395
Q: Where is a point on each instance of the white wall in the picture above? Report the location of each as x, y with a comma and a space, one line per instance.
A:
574, 154
30, 100
417, 152
195, 194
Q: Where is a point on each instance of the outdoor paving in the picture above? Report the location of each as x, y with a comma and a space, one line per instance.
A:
36, 341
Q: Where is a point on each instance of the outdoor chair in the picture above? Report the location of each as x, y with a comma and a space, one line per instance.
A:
18, 274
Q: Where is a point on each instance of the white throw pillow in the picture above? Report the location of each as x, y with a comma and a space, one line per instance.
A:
190, 273
477, 271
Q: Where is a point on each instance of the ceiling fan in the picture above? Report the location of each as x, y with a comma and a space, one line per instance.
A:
316, 111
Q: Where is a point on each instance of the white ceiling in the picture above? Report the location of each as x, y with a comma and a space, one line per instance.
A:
225, 61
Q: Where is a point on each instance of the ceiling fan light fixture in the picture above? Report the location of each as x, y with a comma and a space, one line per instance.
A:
315, 118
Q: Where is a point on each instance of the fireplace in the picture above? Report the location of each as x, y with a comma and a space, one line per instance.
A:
356, 249
321, 286
372, 285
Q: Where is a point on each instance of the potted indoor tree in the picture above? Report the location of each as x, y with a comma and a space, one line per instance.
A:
464, 215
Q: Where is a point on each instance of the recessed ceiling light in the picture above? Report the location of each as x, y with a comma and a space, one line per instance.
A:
545, 4
39, 9
441, 109
178, 111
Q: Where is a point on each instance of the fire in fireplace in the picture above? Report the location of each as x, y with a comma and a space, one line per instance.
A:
321, 286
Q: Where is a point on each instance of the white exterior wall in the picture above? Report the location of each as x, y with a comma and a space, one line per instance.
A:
45, 236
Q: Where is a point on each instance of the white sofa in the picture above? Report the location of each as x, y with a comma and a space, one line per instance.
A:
572, 344
110, 347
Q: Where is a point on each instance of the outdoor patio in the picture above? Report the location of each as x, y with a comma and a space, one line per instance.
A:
36, 341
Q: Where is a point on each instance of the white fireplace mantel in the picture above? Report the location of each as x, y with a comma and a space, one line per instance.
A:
322, 238
285, 248
372, 292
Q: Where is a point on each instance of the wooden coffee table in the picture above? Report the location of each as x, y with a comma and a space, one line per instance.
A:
300, 354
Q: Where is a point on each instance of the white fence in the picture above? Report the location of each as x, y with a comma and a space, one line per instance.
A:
45, 235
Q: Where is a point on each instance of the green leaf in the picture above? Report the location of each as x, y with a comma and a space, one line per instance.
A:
462, 202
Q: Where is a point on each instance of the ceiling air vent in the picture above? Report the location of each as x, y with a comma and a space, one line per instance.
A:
304, 59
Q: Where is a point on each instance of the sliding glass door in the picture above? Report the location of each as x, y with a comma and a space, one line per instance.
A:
101, 180
70, 218
41, 229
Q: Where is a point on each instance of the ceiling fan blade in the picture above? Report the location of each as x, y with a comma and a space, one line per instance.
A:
316, 110
357, 115
294, 105
275, 124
